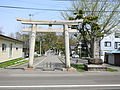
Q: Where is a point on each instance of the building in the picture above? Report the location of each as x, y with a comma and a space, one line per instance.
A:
26, 45
113, 57
10, 48
110, 43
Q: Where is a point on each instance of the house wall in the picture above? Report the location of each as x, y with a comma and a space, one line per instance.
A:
110, 38
117, 59
111, 59
16, 50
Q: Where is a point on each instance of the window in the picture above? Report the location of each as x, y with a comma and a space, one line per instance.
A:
3, 47
117, 45
117, 35
10, 51
11, 47
107, 44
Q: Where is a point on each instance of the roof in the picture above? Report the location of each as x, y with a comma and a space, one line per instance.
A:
114, 52
9, 38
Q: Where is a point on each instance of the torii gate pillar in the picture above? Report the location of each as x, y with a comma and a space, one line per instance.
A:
32, 45
66, 42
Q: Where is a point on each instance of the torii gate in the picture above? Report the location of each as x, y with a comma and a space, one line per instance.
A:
35, 29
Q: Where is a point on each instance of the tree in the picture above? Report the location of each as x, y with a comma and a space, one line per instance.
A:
98, 21
1, 32
12, 35
59, 44
18, 35
88, 30
49, 41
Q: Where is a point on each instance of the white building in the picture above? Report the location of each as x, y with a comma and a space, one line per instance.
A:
110, 43
10, 48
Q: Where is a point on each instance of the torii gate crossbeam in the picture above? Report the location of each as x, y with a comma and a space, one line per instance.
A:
35, 29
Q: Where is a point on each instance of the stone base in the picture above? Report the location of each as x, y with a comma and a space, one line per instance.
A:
28, 69
48, 69
69, 69
96, 67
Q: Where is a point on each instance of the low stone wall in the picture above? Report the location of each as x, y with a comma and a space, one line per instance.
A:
95, 67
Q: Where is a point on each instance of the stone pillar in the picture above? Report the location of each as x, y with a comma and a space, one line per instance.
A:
96, 48
67, 50
32, 46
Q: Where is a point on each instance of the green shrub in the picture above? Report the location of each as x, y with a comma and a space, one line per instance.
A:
79, 68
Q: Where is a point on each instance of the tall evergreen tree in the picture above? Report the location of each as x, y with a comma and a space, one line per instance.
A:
99, 18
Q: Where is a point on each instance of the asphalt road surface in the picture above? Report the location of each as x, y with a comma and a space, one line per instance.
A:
18, 79
57, 80
43, 62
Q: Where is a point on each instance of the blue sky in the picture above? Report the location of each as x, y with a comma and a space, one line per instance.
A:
8, 21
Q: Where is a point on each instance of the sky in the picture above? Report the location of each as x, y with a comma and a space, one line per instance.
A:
8, 16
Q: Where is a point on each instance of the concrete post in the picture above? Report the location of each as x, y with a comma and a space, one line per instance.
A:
32, 46
40, 47
67, 51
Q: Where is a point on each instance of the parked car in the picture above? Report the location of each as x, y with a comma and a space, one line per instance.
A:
36, 54
75, 56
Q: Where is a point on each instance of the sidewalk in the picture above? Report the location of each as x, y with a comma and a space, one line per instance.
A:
50, 62
112, 66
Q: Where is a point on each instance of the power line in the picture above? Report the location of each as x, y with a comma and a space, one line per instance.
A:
91, 0
33, 3
25, 8
32, 8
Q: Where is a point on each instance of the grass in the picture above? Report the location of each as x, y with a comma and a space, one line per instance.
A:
112, 70
36, 56
12, 62
79, 68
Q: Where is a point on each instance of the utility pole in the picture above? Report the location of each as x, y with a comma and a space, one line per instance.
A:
40, 47
30, 16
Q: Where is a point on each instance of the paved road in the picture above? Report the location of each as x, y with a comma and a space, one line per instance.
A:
18, 79
45, 62
51, 61
58, 80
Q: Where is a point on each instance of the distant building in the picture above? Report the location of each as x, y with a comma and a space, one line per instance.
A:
110, 43
10, 48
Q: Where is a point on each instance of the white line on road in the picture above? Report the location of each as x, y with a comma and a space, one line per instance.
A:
39, 62
61, 86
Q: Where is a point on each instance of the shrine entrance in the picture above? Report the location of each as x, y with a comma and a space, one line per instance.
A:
66, 29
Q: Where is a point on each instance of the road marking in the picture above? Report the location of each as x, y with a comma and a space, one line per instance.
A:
44, 75
40, 62
61, 86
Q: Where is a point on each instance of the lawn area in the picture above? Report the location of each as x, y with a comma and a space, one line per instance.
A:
12, 62
112, 70
79, 68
